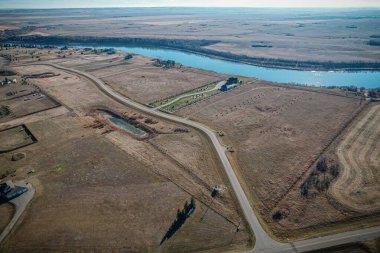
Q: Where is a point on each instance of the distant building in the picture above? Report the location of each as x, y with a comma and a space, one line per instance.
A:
215, 191
127, 57
9, 191
232, 80
230, 83
226, 87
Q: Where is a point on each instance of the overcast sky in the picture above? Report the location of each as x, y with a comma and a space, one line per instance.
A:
201, 3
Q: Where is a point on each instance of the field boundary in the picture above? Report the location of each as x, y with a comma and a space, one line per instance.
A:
27, 131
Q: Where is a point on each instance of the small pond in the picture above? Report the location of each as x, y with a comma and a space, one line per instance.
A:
122, 123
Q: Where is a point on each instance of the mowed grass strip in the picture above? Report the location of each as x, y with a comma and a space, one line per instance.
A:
356, 187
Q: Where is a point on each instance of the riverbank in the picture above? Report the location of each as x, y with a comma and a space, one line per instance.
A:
195, 47
358, 79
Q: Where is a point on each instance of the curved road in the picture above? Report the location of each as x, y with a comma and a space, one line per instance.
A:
264, 243
20, 203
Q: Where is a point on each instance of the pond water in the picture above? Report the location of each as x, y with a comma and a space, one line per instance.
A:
122, 123
367, 79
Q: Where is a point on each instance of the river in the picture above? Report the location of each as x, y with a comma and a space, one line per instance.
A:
367, 79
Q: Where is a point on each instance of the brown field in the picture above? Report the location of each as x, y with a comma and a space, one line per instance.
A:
100, 189
6, 213
22, 55
5, 27
136, 78
27, 105
291, 34
23, 98
278, 132
146, 83
13, 138
17, 90
357, 186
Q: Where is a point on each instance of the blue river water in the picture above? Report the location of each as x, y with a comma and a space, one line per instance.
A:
367, 79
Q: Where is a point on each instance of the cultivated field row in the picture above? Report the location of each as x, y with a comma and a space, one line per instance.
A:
359, 154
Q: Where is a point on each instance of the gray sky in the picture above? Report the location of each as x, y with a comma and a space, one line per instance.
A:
201, 3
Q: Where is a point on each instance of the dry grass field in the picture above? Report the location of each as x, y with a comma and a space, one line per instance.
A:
15, 90
277, 133
282, 34
21, 98
99, 188
138, 79
27, 105
147, 84
135, 78
13, 138
357, 186
6, 212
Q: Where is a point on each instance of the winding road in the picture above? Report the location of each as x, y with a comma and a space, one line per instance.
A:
264, 243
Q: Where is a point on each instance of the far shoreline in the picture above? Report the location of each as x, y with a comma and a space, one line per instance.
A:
197, 49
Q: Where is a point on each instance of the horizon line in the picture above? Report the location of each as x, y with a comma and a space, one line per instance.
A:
204, 7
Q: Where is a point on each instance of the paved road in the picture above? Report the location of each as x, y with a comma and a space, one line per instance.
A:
20, 203
264, 243
217, 87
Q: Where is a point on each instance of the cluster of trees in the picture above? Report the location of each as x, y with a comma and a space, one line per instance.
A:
232, 80
59, 40
280, 214
11, 45
374, 93
109, 50
166, 64
182, 215
351, 88
320, 178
